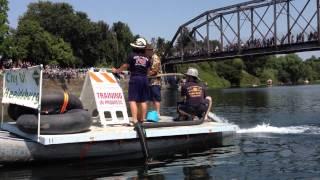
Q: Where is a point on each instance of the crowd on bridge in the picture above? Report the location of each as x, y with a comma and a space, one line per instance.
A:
255, 43
269, 42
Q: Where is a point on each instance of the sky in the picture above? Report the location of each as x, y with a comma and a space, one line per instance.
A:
148, 18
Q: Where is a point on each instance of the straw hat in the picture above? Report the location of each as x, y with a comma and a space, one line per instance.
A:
139, 43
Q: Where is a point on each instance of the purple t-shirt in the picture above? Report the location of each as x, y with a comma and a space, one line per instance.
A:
195, 93
138, 64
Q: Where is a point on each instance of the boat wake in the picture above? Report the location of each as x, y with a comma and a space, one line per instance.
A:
266, 128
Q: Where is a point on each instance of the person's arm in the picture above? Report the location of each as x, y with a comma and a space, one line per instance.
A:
121, 68
205, 94
183, 94
152, 72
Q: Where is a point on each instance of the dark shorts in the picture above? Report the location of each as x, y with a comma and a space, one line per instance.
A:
138, 89
197, 110
155, 93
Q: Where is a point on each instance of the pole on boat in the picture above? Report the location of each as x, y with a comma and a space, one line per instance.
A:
39, 102
143, 142
3, 87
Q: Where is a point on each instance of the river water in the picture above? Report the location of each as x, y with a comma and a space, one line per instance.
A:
278, 138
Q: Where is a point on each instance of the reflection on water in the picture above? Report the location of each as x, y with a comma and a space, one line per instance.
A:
180, 166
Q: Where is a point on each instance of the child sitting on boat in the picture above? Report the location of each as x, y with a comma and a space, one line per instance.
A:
195, 99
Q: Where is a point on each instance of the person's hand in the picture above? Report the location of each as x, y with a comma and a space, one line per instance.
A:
114, 70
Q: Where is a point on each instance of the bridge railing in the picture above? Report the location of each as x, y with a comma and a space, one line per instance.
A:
255, 27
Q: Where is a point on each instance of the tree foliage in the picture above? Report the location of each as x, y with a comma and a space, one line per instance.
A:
34, 44
123, 36
231, 70
3, 24
92, 43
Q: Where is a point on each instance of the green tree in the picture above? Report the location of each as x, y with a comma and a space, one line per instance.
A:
3, 24
9, 50
231, 70
60, 52
314, 63
267, 74
90, 41
293, 67
254, 65
306, 72
36, 45
124, 37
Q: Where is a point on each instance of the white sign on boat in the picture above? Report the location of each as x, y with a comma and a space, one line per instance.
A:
108, 101
22, 86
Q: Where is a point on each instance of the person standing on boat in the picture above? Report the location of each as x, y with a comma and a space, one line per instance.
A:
154, 82
138, 93
195, 99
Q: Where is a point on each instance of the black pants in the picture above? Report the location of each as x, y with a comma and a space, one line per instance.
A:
194, 109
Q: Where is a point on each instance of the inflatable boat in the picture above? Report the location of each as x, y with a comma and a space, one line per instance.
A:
110, 135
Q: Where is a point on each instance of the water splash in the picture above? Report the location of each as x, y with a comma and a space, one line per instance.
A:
218, 119
267, 128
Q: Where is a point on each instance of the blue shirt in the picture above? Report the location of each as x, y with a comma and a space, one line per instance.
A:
138, 64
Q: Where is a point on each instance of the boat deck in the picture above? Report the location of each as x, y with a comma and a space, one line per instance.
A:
121, 132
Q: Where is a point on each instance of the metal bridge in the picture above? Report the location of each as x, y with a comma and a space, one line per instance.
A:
253, 28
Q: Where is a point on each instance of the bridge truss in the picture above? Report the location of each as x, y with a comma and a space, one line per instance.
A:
253, 28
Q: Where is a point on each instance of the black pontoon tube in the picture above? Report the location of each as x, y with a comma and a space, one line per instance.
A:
51, 103
172, 124
73, 121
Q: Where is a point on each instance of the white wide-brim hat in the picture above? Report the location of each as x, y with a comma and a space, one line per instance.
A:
139, 43
192, 72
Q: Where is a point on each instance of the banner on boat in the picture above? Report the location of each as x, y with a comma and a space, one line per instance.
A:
22, 86
102, 88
